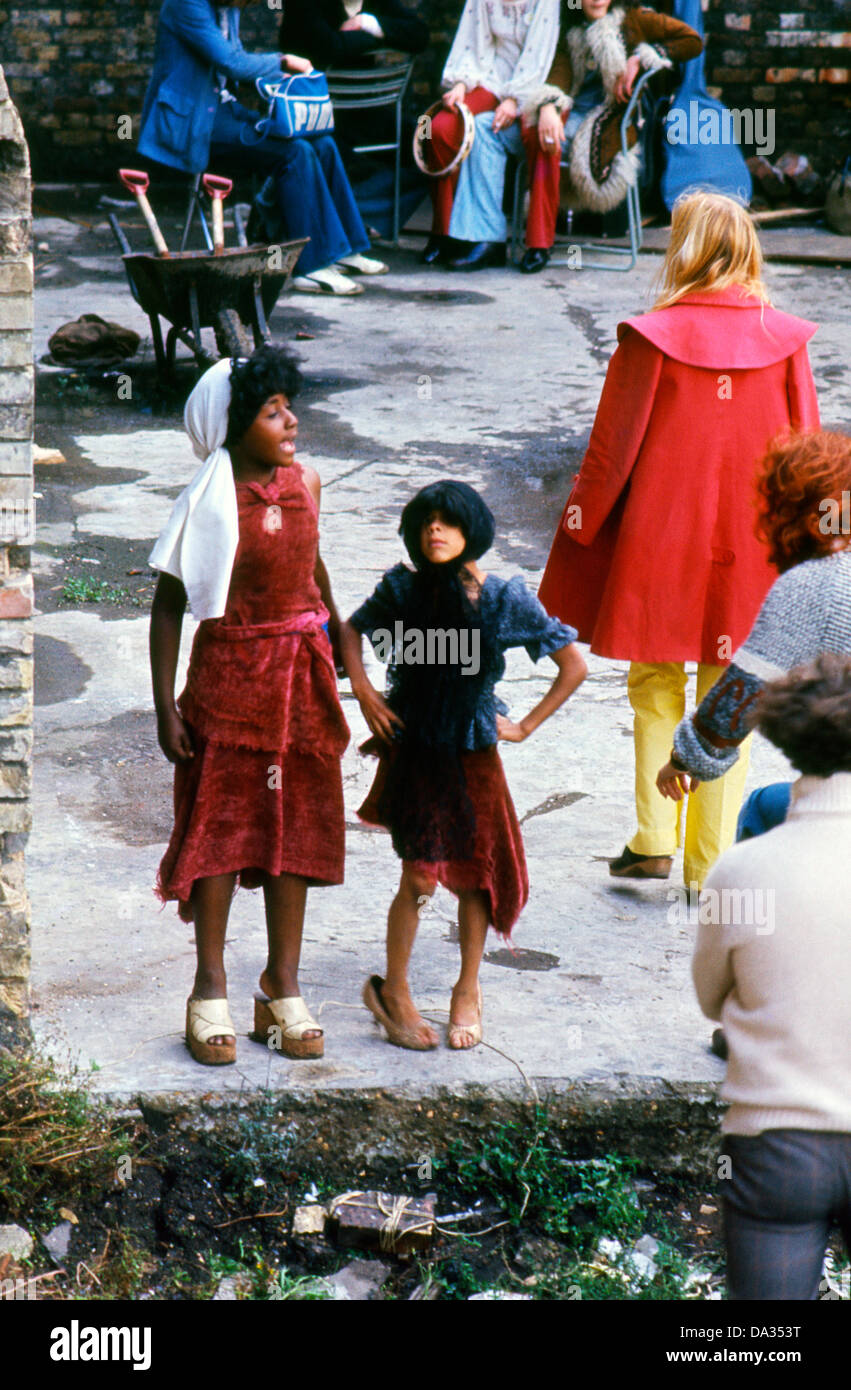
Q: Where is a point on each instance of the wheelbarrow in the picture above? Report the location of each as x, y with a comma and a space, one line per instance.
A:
232, 292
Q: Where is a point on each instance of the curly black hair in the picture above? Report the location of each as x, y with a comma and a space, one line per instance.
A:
461, 506
270, 371
807, 715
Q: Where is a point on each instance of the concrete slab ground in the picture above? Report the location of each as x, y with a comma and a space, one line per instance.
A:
493, 378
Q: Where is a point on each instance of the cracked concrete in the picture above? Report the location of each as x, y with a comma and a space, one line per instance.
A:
494, 379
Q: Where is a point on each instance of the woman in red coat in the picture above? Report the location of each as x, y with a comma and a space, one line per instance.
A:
656, 560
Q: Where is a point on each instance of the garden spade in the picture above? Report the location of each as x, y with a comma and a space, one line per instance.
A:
137, 182
218, 188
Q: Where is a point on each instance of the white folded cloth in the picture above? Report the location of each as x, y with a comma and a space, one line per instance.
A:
198, 544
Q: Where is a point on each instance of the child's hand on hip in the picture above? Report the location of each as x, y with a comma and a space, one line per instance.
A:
509, 732
174, 737
379, 716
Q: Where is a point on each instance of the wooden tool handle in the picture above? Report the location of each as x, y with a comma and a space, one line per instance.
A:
218, 226
153, 226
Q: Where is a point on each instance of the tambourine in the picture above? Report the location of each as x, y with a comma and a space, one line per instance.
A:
466, 144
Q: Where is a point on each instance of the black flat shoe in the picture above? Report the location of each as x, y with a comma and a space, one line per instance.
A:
481, 255
534, 260
436, 249
629, 865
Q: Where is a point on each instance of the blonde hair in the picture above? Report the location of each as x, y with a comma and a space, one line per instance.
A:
713, 245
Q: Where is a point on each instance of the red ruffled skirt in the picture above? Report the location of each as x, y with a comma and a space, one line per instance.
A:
497, 862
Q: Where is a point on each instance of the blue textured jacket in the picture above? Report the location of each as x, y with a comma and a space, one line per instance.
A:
180, 103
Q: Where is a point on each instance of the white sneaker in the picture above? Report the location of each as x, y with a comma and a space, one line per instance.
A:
328, 281
363, 265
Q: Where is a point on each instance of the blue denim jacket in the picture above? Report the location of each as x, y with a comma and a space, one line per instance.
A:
180, 103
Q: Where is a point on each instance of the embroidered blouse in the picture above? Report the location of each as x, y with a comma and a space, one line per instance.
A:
510, 615
505, 46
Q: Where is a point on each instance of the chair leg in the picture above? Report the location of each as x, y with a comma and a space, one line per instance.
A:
517, 210
397, 186
195, 205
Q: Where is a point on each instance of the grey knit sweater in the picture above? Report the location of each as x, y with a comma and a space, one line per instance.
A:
806, 611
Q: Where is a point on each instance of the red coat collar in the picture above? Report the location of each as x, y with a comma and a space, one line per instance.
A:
722, 329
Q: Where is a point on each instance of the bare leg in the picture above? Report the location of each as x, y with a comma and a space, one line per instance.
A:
286, 899
473, 930
402, 922
211, 899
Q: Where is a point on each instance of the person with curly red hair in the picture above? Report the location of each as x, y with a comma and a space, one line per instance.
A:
805, 516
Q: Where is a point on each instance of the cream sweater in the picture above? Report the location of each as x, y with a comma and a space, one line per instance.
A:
773, 963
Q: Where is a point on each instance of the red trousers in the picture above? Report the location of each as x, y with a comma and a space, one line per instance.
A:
544, 172
447, 132
544, 180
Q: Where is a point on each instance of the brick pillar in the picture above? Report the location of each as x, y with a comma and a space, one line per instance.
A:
16, 594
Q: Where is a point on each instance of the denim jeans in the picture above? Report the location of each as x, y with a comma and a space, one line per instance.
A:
307, 192
477, 213
786, 1188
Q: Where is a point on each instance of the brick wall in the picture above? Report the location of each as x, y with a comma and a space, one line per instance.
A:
792, 57
16, 598
73, 69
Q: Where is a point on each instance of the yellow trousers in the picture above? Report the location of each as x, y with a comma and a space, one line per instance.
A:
657, 696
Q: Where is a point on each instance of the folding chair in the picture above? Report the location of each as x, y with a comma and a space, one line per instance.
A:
360, 89
196, 206
633, 207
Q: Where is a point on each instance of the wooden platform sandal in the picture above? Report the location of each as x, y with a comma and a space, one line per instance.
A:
205, 1019
290, 1019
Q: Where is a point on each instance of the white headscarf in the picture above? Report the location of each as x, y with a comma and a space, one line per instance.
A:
199, 542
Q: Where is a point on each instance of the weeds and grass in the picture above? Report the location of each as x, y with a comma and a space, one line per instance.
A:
576, 1200
545, 1213
86, 590
55, 1143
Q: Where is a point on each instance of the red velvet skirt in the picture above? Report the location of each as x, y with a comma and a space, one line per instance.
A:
252, 812
497, 862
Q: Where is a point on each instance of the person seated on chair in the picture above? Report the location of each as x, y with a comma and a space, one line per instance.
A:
575, 116
190, 119
338, 33
346, 34
501, 53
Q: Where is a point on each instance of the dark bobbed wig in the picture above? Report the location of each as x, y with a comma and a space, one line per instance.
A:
461, 506
269, 371
807, 715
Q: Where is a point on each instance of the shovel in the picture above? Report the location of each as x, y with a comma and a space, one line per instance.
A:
137, 182
218, 188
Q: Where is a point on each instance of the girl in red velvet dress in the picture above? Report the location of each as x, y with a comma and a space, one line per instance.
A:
257, 735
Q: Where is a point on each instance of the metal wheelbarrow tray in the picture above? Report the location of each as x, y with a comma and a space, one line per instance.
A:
231, 293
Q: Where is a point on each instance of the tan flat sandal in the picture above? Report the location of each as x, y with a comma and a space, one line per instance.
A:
396, 1034
474, 1029
290, 1019
205, 1019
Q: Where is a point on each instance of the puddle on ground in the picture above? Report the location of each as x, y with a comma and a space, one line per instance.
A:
59, 672
553, 803
433, 296
523, 959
